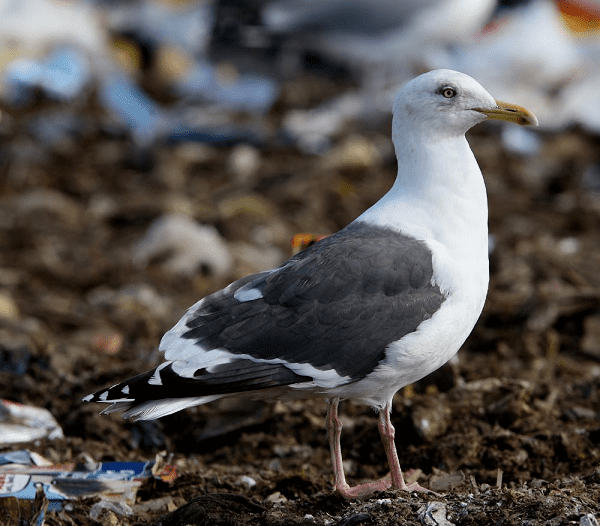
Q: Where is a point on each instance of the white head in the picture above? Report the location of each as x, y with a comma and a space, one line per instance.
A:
447, 103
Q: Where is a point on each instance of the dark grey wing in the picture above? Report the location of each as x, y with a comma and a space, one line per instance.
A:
325, 316
335, 306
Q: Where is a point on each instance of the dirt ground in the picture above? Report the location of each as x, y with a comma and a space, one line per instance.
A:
508, 433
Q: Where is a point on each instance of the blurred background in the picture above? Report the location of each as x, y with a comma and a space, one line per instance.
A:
152, 151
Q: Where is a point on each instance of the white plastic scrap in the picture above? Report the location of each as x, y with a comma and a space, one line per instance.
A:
192, 246
434, 514
588, 520
118, 508
248, 481
23, 423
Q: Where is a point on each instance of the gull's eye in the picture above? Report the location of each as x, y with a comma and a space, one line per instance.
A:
448, 92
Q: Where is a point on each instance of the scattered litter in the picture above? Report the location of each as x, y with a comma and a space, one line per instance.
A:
537, 61
588, 520
46, 304
186, 25
118, 508
371, 36
229, 88
137, 112
31, 27
192, 247
314, 129
26, 476
25, 457
434, 514
62, 75
248, 481
22, 423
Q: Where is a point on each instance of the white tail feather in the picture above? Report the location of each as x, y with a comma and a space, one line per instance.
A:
158, 408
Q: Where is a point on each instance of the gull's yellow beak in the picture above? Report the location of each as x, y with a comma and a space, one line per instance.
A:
511, 113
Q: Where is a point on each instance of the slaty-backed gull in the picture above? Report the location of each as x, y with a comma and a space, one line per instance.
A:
376, 306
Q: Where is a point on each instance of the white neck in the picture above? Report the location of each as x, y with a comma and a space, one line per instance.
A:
438, 196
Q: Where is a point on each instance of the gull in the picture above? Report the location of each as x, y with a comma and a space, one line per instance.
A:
358, 315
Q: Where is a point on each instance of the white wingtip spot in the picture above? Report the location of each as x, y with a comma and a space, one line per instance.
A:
125, 390
247, 294
155, 379
88, 398
103, 396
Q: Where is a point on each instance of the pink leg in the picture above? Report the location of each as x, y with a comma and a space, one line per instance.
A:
334, 433
393, 480
388, 433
